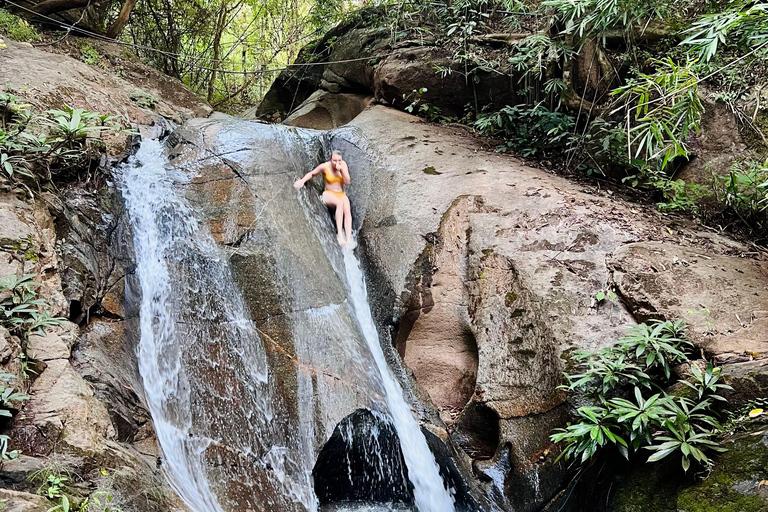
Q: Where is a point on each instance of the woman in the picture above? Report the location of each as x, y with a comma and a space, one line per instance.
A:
336, 174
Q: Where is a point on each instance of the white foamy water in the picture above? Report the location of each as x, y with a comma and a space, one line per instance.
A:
197, 340
150, 201
430, 493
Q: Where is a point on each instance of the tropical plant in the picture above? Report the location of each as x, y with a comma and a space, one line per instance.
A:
662, 423
596, 428
745, 190
8, 395
707, 382
595, 18
604, 371
658, 345
661, 111
56, 143
6, 454
17, 28
23, 312
743, 25
528, 129
688, 442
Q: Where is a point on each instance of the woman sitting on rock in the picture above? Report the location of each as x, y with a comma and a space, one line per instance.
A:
336, 174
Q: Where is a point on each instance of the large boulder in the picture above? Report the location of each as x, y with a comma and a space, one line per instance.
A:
364, 58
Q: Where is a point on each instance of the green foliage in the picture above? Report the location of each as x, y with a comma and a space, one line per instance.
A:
89, 54
659, 345
743, 25
23, 312
620, 413
8, 395
594, 18
680, 196
17, 28
661, 110
534, 56
5, 454
9, 400
528, 129
56, 143
745, 190
706, 382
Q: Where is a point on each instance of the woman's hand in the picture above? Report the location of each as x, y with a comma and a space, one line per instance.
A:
298, 184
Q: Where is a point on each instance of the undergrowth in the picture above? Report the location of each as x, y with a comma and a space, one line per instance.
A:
17, 28
626, 405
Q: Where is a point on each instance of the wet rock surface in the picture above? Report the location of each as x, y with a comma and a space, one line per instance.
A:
489, 268
532, 254
344, 471
85, 414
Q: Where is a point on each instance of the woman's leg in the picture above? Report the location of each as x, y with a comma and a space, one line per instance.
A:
347, 208
334, 202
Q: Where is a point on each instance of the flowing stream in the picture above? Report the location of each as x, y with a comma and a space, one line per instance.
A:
429, 491
195, 327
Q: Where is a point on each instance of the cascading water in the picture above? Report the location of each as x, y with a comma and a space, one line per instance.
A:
190, 305
429, 490
221, 421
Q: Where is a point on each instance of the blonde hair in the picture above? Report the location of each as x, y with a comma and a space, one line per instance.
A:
336, 152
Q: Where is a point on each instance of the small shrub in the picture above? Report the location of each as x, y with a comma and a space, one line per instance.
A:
617, 381
58, 143
661, 110
89, 54
743, 25
23, 312
17, 28
528, 129
745, 190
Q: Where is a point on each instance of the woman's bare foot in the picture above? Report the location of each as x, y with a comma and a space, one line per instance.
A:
342, 241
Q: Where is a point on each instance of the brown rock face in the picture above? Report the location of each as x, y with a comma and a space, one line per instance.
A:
435, 337
517, 257
722, 298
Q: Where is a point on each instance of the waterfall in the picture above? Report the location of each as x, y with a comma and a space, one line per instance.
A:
429, 491
195, 332
220, 419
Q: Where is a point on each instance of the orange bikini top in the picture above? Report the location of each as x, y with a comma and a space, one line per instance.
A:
330, 178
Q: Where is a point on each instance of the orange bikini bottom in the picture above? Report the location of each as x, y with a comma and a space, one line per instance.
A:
339, 195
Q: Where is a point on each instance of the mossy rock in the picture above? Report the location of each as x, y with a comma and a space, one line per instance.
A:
733, 486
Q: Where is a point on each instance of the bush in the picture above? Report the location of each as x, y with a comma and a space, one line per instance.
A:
528, 129
56, 144
16, 28
618, 382
745, 190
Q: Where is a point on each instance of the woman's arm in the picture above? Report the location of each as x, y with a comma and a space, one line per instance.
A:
314, 172
345, 173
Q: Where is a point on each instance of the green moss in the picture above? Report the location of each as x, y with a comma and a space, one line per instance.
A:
487, 252
510, 299
431, 171
17, 28
729, 488
649, 489
143, 99
723, 491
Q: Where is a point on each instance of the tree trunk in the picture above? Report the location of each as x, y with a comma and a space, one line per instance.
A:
53, 6
122, 19
217, 48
